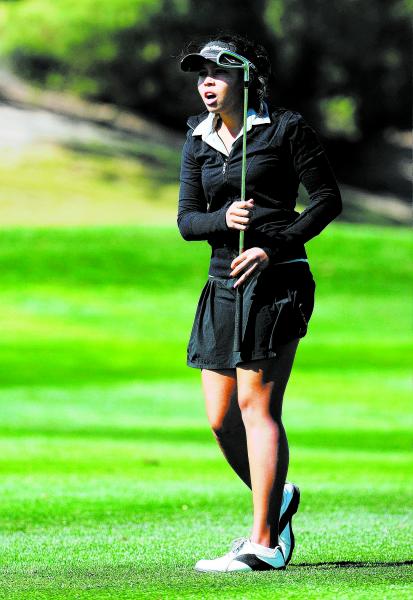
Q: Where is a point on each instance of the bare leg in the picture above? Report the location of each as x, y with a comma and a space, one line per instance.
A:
224, 415
233, 443
261, 386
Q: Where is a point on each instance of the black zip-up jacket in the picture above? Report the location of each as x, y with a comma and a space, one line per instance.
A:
280, 154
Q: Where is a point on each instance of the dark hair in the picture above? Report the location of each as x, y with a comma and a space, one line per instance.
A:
255, 53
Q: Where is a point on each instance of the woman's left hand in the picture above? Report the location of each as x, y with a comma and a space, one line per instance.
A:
251, 260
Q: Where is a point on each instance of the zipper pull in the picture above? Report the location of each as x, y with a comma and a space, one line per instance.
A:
224, 166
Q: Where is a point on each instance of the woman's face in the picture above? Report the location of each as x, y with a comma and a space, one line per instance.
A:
220, 88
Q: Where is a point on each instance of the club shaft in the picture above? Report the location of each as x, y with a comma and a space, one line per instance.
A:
244, 160
238, 296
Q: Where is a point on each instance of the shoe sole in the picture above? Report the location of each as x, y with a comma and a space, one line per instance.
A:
287, 517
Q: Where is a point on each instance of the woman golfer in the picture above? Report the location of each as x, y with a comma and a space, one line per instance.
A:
245, 373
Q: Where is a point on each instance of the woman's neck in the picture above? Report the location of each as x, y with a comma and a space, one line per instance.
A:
232, 122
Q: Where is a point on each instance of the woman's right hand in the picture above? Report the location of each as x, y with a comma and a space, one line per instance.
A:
238, 214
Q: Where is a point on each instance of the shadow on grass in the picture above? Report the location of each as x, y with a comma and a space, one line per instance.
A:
352, 564
162, 162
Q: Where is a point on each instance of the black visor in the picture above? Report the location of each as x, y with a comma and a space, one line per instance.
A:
195, 61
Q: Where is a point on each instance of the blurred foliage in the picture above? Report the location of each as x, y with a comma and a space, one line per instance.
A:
339, 115
344, 63
353, 48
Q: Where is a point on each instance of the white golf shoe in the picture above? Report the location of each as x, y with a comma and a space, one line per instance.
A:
244, 556
291, 500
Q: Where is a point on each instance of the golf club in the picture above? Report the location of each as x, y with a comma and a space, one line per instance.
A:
231, 60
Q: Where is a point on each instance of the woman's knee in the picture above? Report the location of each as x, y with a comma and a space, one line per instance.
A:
216, 423
224, 433
225, 424
225, 419
220, 392
256, 408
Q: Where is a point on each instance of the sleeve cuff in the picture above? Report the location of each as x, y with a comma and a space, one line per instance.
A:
270, 252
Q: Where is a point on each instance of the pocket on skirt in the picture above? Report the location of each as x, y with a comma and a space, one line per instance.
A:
291, 315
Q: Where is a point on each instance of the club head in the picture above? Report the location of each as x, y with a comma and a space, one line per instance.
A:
232, 60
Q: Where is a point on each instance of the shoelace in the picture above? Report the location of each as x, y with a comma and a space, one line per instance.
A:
237, 544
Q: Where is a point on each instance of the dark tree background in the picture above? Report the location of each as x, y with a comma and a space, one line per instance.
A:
344, 63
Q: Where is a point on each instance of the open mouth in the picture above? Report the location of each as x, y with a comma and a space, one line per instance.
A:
210, 97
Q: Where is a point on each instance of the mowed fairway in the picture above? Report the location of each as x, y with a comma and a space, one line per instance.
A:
111, 483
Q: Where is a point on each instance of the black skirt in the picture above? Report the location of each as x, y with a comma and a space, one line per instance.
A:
277, 304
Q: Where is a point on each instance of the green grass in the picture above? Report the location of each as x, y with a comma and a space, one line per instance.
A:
112, 485
119, 182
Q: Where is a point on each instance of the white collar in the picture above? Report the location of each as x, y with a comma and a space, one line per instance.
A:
207, 128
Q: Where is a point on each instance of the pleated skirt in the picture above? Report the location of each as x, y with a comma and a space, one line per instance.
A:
277, 304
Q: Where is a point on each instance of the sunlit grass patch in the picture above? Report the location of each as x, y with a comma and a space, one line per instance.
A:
93, 184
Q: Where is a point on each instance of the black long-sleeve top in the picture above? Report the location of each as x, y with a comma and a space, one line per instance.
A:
280, 154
